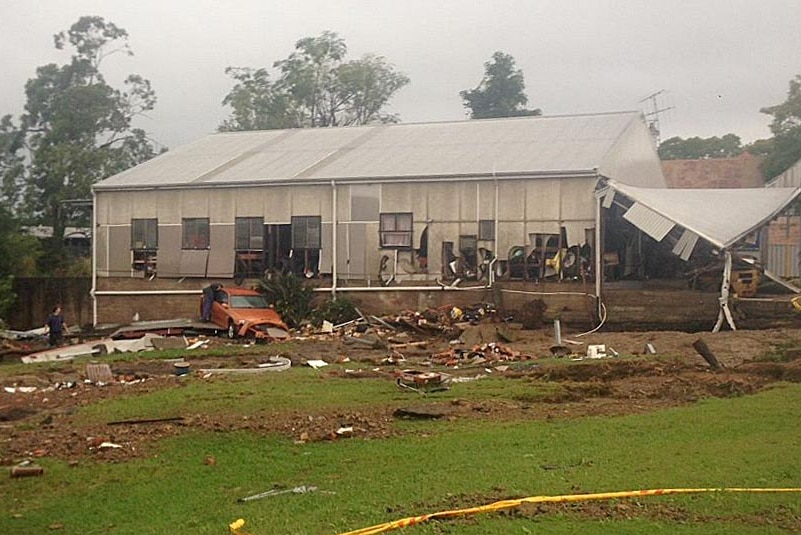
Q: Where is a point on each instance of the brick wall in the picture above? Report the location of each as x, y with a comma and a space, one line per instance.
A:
627, 308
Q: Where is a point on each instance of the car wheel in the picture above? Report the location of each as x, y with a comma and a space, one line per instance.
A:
231, 329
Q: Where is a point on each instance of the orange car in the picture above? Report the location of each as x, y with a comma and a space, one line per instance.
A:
247, 313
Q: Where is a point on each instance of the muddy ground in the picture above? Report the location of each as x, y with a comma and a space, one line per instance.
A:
668, 372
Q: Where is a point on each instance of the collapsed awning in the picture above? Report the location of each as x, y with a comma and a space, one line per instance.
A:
722, 217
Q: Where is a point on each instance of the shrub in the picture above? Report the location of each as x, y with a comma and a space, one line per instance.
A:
339, 310
290, 296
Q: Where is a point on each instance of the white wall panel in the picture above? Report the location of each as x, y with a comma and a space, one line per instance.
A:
578, 198
399, 197
101, 244
170, 209
119, 250
249, 201
512, 199
221, 250
486, 200
468, 200
542, 199
221, 205
277, 205
169, 256
510, 234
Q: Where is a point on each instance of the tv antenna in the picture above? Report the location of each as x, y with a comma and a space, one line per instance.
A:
652, 116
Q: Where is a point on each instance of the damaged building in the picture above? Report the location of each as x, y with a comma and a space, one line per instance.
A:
410, 215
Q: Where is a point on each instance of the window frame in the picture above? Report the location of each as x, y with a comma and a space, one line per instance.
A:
196, 239
144, 256
146, 245
253, 223
305, 226
391, 231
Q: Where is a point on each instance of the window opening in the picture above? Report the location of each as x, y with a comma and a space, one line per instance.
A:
195, 233
395, 230
249, 247
144, 245
306, 244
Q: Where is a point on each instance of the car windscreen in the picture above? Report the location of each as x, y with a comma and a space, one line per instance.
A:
248, 301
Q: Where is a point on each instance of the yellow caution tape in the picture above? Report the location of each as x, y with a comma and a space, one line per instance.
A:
236, 527
509, 504
796, 302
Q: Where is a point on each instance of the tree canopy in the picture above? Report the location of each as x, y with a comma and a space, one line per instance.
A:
76, 128
315, 87
785, 148
501, 93
696, 148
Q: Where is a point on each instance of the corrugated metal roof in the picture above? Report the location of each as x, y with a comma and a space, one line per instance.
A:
536, 145
720, 216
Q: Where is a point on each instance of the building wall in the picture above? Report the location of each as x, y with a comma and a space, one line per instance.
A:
447, 209
789, 179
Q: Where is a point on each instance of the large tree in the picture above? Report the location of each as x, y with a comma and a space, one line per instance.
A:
695, 148
76, 128
315, 87
785, 149
501, 93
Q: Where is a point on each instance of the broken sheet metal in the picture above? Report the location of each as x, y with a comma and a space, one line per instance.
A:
423, 382
273, 364
685, 245
650, 222
303, 489
722, 217
96, 347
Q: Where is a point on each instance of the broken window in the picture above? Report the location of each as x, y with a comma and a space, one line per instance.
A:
144, 244
486, 230
195, 233
468, 249
249, 245
306, 242
395, 230
306, 232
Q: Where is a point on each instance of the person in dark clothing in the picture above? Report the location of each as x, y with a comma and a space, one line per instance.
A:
209, 296
56, 326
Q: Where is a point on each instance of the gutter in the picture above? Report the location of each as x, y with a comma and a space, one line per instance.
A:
583, 173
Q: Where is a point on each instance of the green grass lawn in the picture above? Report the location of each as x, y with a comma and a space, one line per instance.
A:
738, 442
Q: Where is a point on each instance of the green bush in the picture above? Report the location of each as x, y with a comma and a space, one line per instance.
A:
339, 310
290, 296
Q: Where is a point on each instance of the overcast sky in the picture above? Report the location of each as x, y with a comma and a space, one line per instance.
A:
718, 61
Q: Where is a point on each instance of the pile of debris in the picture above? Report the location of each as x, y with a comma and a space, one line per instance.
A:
482, 354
